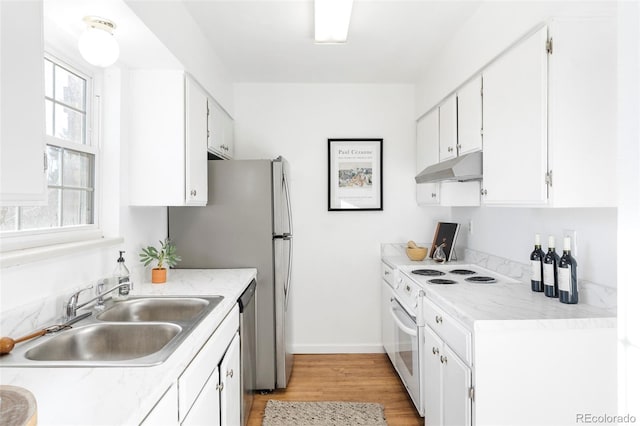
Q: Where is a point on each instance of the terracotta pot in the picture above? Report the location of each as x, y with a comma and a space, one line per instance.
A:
159, 275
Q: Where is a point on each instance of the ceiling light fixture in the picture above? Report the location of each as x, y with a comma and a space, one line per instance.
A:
97, 44
332, 20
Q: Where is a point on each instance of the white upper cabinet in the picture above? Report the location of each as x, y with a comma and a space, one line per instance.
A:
427, 146
470, 116
448, 129
168, 143
582, 113
221, 131
549, 114
22, 118
515, 125
429, 134
196, 183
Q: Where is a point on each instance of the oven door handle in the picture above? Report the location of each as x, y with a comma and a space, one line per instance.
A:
410, 331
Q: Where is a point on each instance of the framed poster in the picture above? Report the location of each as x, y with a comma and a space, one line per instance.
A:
355, 174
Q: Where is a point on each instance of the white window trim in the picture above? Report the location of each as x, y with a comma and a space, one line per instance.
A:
16, 244
35, 254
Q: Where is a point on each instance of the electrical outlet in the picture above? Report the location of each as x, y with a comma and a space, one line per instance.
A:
573, 234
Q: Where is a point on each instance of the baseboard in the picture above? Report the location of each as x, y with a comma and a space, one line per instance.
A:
337, 349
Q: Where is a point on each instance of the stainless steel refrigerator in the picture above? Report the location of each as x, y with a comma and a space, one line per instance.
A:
247, 223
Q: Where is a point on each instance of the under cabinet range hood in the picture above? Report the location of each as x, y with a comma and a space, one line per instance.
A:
462, 168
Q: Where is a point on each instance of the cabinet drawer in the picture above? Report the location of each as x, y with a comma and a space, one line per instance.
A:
449, 330
195, 376
388, 273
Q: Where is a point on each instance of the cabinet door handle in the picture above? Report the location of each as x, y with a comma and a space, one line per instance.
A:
193, 192
435, 350
443, 359
230, 373
219, 387
433, 195
438, 319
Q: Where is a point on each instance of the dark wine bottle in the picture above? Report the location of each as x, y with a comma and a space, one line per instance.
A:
567, 275
536, 265
550, 272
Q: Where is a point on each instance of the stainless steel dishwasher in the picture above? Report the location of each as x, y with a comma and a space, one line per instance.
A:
247, 304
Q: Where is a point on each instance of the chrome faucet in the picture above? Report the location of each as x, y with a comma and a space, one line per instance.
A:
72, 304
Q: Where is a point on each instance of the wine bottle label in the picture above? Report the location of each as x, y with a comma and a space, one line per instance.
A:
564, 279
535, 270
548, 275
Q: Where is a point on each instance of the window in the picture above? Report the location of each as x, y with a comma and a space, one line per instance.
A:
71, 159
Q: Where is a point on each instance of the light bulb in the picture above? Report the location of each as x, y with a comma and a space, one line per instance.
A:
97, 44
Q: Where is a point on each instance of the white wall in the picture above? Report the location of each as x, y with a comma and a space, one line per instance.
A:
509, 233
336, 264
629, 207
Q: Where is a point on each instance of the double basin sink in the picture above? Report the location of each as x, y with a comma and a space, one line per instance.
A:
141, 331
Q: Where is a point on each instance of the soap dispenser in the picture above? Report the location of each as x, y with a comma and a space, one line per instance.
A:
121, 274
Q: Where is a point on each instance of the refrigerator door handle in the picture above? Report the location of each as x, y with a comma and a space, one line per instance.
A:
286, 196
288, 281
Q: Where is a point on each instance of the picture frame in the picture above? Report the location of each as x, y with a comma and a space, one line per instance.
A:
447, 233
355, 174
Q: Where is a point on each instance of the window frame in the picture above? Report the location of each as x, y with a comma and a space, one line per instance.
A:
32, 238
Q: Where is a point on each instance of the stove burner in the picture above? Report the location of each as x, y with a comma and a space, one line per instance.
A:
442, 281
462, 272
427, 272
482, 280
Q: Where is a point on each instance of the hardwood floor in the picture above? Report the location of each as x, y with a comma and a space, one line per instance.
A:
345, 377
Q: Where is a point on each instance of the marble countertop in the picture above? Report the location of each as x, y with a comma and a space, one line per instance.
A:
504, 305
112, 395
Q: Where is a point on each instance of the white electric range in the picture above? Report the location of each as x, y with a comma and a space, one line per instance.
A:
454, 274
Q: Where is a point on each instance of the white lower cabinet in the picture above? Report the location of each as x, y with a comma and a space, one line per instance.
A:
386, 296
209, 389
456, 389
516, 372
219, 400
230, 385
448, 388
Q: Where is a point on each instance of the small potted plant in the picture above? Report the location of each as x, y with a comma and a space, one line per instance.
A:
165, 257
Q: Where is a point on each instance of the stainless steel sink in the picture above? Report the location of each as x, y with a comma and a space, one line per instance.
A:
106, 342
158, 309
141, 331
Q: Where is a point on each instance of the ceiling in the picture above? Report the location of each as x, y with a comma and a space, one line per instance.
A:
390, 41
